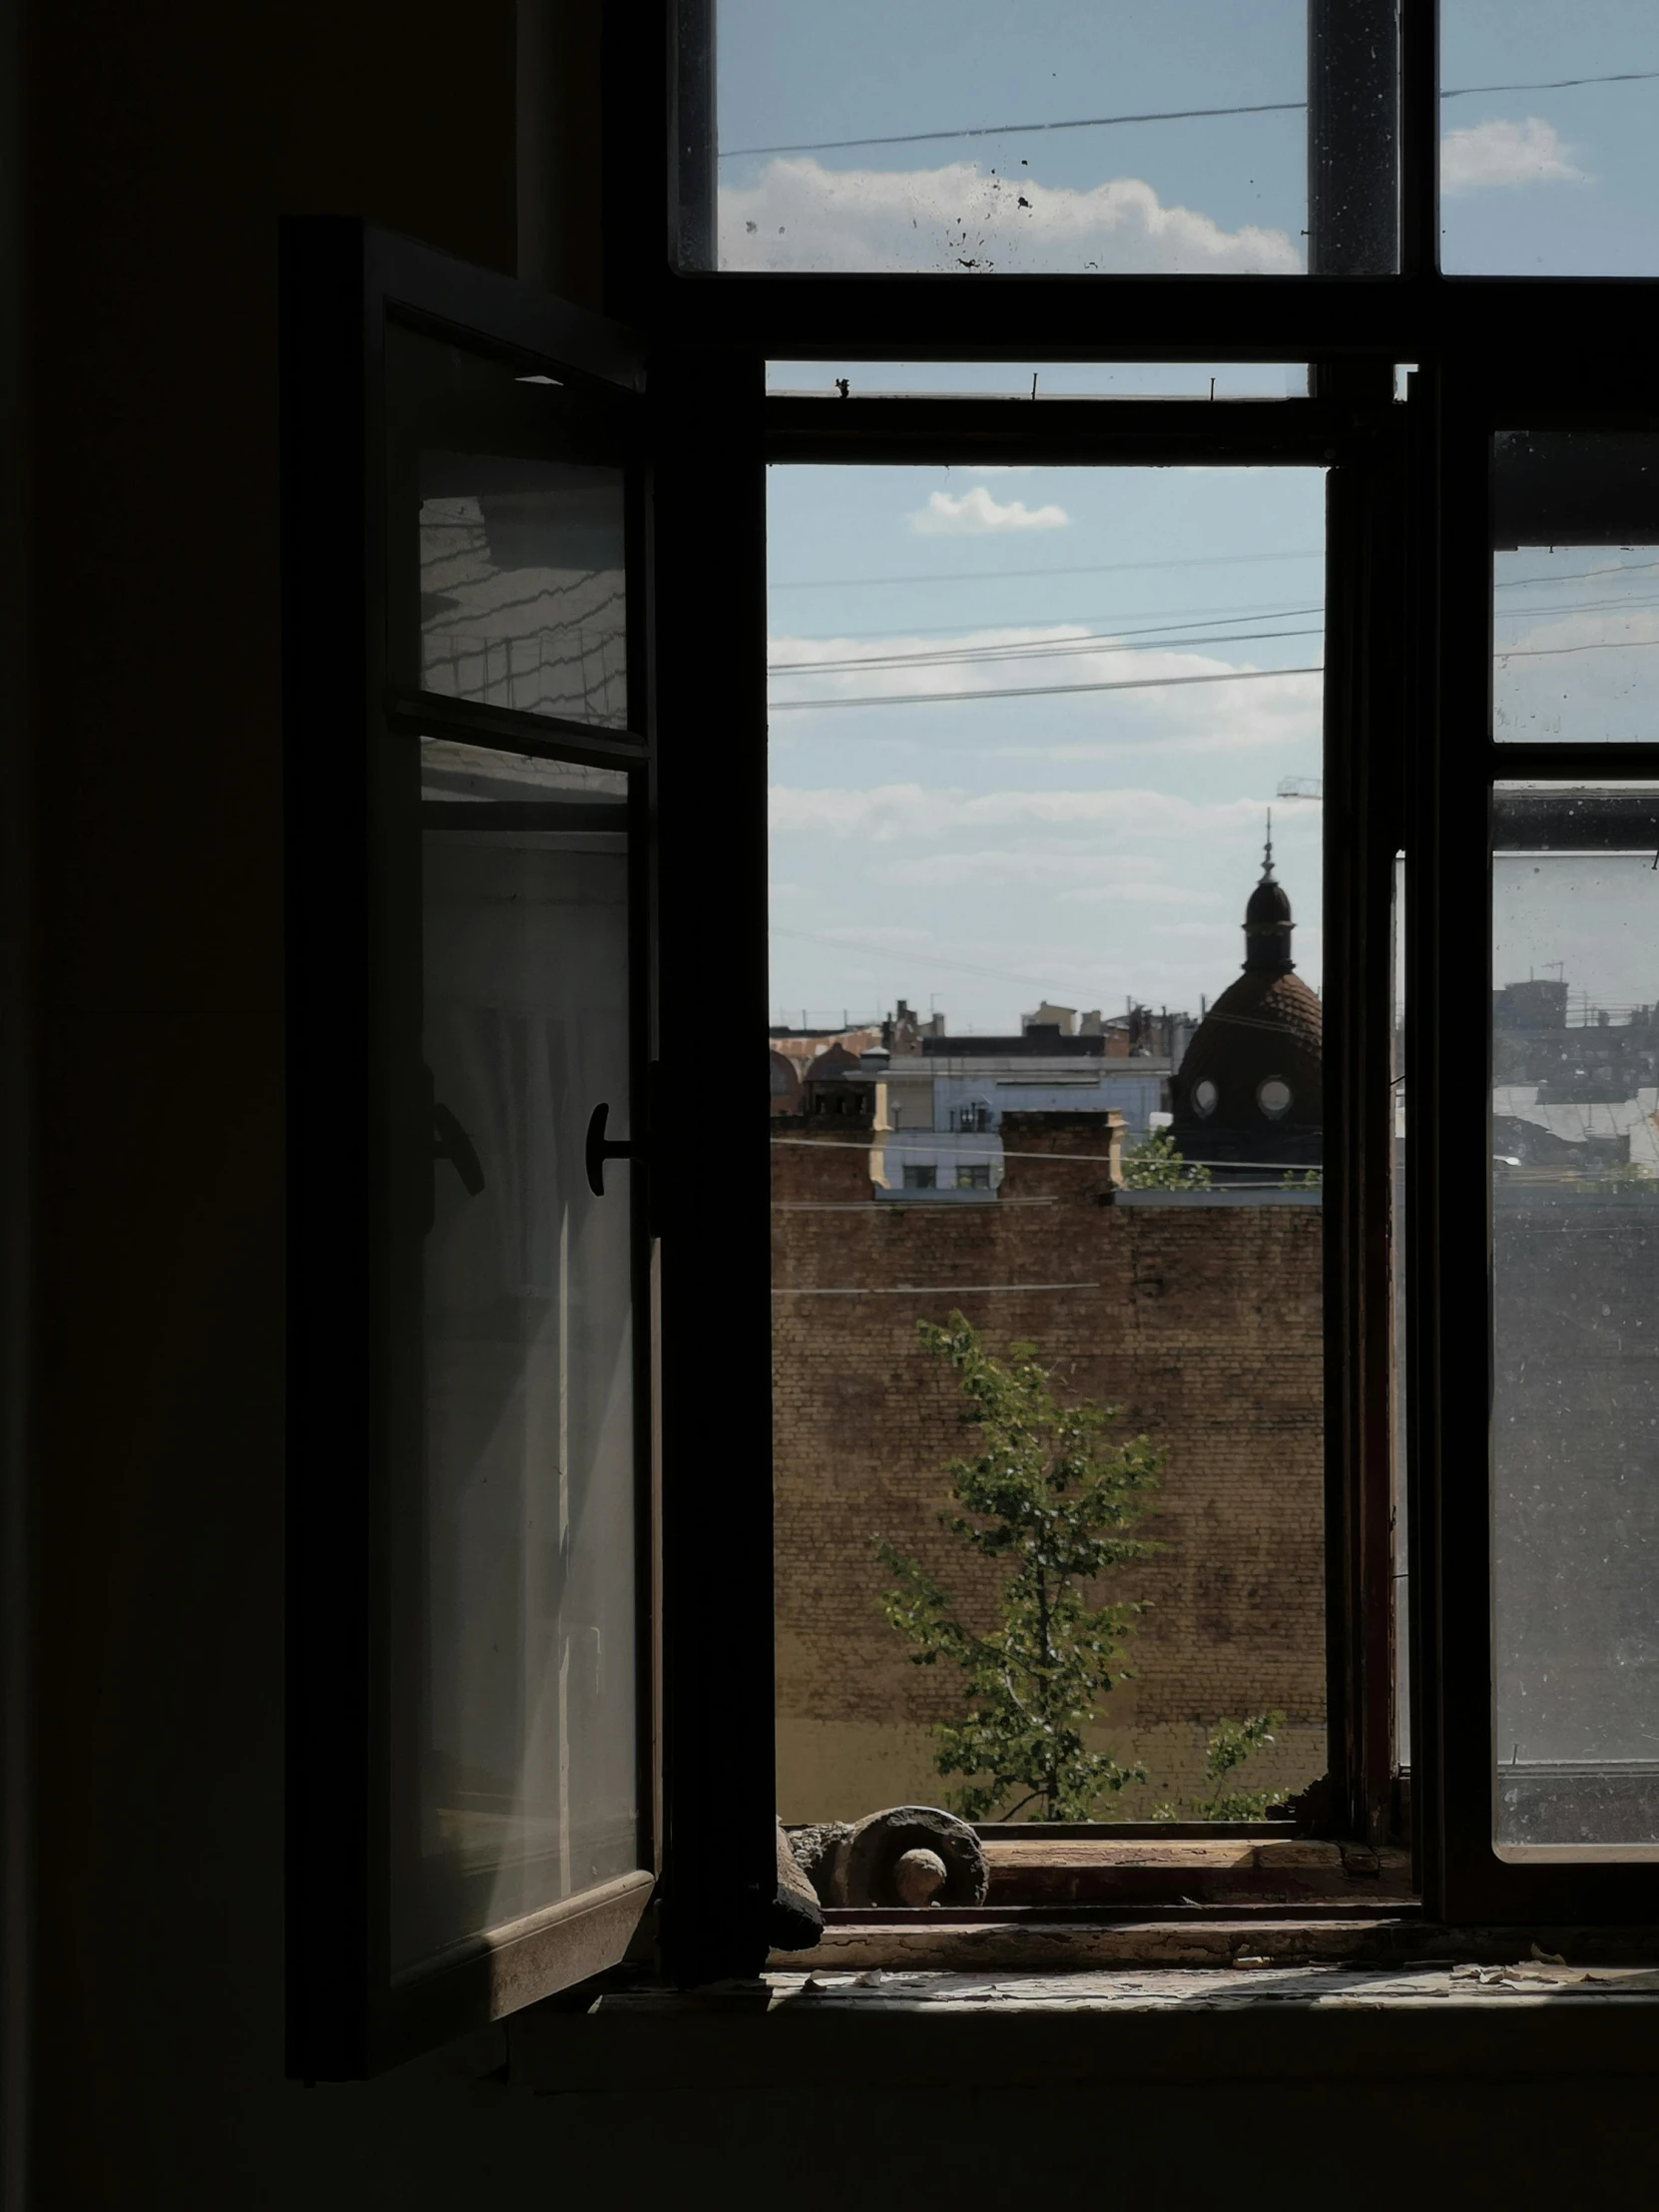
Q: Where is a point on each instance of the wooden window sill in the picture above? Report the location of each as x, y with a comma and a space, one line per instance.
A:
1037, 1870
922, 2029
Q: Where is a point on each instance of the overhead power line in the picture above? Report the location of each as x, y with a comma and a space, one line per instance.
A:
1170, 636
1042, 648
1159, 683
1103, 626
1061, 650
1160, 115
1039, 691
1016, 130
1205, 560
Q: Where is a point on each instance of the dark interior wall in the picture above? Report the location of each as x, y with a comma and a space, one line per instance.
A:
165, 139
163, 142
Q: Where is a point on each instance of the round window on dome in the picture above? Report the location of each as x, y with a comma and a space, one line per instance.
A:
1204, 1098
1273, 1098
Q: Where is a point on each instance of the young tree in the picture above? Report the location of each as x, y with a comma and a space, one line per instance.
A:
1155, 1165
1232, 1744
1049, 1496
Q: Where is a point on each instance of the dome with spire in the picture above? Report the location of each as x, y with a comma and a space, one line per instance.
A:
1250, 1091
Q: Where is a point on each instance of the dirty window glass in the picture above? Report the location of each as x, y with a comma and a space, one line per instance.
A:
1575, 587
1575, 1287
974, 135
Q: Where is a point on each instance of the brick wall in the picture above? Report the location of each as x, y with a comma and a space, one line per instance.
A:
1201, 1322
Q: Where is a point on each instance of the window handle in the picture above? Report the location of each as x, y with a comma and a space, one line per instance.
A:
600, 1149
450, 1142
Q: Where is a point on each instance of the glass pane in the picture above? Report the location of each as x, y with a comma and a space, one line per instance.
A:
1045, 1051
1575, 582
1549, 161
1049, 379
1059, 136
1575, 1290
523, 599
518, 1786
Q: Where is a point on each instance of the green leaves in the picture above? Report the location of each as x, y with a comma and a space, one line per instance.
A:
1046, 1495
1232, 1744
1155, 1165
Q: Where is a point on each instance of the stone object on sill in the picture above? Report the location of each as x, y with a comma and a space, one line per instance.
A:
797, 1915
908, 1857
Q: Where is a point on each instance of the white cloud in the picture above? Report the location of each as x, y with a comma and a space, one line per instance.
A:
1046, 862
1142, 894
977, 513
1491, 153
801, 216
886, 813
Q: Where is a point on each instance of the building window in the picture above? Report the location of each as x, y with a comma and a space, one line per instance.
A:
918, 1178
973, 1177
1273, 1098
1204, 1097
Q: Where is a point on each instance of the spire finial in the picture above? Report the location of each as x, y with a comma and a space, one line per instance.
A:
1266, 855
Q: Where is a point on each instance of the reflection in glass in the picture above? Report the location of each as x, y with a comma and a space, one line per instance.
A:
519, 1626
523, 598
1058, 137
451, 770
1575, 581
1575, 1291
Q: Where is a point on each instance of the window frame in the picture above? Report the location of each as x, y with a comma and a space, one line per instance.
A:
1415, 539
1408, 676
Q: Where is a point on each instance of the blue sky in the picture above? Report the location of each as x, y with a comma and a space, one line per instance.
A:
1558, 180
1088, 844
1099, 845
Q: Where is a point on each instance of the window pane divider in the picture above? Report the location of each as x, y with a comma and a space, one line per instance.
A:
430, 713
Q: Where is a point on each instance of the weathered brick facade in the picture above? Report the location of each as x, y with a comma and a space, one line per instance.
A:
1201, 1321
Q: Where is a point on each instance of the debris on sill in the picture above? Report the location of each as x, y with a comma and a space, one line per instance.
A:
1371, 1943
1323, 1987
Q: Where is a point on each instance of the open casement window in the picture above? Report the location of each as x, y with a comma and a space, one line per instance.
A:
475, 1790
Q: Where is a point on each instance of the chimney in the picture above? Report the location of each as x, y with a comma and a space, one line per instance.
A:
1075, 1159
